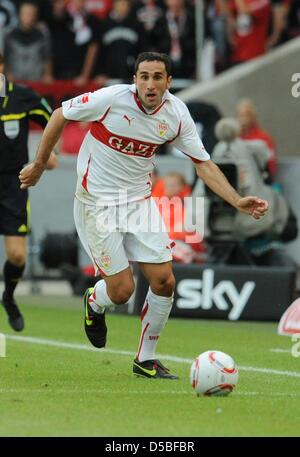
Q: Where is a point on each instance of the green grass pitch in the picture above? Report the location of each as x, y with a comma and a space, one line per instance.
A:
51, 389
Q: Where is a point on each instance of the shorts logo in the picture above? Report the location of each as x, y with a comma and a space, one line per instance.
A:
105, 261
22, 229
163, 127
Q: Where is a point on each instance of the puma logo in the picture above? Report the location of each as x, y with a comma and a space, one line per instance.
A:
128, 118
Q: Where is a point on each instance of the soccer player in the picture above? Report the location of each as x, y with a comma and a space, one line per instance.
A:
129, 123
18, 105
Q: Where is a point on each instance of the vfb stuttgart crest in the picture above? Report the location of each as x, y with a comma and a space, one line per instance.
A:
105, 261
163, 127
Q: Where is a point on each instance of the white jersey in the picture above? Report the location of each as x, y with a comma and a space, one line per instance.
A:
117, 155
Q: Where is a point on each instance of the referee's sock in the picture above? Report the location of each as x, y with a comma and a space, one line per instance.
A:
12, 274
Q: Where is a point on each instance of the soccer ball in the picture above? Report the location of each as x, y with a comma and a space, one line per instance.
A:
213, 373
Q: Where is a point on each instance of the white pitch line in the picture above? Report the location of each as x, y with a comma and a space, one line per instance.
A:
279, 350
135, 392
94, 391
171, 358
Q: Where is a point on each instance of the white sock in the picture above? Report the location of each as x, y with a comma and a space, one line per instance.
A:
154, 317
99, 301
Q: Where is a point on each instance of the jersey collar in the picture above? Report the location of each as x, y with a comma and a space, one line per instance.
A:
165, 97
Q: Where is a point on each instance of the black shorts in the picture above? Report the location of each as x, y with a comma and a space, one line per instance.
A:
14, 206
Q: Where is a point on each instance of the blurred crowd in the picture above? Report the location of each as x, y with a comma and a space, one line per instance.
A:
83, 40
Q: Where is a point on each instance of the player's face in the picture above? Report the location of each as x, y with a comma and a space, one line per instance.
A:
152, 81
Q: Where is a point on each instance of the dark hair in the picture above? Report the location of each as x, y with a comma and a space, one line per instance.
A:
151, 57
29, 2
1, 59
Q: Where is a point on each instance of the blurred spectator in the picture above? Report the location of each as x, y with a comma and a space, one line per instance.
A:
215, 12
27, 48
123, 38
72, 137
86, 28
173, 183
8, 19
174, 34
63, 41
250, 158
248, 22
280, 10
292, 29
148, 12
99, 8
44, 8
169, 193
251, 130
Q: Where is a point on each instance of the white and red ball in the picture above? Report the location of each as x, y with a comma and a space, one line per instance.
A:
214, 373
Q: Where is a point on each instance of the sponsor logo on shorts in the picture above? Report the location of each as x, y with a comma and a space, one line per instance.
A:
105, 261
22, 228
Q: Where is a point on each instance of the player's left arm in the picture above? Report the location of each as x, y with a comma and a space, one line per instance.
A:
213, 177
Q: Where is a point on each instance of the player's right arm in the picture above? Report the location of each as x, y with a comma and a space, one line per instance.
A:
86, 107
31, 173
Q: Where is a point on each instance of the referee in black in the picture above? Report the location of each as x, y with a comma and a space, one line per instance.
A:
18, 105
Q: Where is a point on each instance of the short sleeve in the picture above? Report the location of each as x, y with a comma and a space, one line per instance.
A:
188, 140
88, 107
40, 112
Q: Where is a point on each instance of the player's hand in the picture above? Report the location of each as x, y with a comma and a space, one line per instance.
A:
30, 175
254, 206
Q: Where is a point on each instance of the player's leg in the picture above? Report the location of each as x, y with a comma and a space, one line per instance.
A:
154, 317
149, 245
107, 253
115, 289
14, 209
107, 293
15, 248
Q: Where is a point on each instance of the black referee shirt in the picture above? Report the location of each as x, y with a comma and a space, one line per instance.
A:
20, 105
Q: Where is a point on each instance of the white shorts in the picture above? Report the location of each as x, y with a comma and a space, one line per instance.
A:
113, 236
